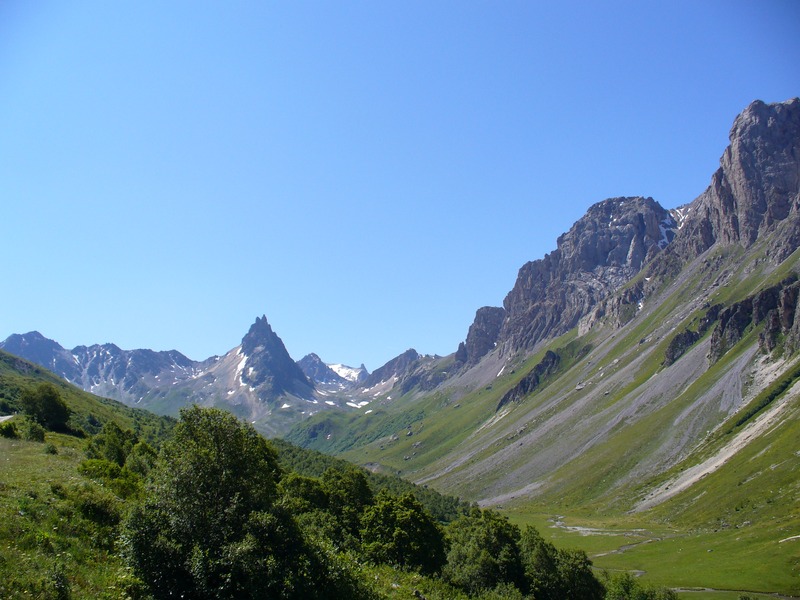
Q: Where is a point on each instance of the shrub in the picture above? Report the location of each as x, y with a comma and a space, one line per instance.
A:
31, 431
45, 406
8, 430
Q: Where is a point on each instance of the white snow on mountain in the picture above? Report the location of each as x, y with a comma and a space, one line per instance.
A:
346, 372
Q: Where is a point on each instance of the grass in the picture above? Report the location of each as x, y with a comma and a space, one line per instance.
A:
747, 559
57, 549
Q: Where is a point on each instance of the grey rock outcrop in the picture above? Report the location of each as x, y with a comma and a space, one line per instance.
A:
482, 335
598, 255
756, 189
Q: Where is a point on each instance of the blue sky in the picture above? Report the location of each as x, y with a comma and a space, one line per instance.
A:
365, 174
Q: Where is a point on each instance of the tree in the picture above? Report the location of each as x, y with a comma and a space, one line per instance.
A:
554, 574
398, 531
625, 586
45, 406
540, 560
301, 494
575, 571
207, 526
111, 444
348, 494
484, 552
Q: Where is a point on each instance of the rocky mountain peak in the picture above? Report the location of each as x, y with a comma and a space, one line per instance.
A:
395, 368
757, 186
268, 362
599, 254
317, 371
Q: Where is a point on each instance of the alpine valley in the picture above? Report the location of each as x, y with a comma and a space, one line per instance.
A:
645, 371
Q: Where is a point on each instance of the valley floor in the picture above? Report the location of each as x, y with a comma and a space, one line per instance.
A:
722, 564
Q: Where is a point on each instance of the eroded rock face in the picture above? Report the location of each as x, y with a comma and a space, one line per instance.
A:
757, 186
548, 365
598, 255
482, 335
775, 306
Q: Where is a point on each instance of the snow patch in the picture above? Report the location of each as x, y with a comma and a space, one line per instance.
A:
346, 372
285, 405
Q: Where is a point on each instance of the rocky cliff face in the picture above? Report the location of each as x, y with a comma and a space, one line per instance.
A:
482, 335
756, 188
754, 194
599, 254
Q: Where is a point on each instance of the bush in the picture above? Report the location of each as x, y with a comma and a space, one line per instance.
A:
8, 430
31, 431
45, 406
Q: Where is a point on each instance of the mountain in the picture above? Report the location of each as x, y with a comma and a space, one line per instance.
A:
257, 380
597, 256
105, 369
650, 344
336, 376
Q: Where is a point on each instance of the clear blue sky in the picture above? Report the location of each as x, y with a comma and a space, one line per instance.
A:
365, 174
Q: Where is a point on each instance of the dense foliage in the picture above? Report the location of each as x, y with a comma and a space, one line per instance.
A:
220, 519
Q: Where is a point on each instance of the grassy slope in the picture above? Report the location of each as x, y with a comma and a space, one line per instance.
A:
47, 543
89, 411
56, 525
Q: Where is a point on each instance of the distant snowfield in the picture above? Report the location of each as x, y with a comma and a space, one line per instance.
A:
345, 372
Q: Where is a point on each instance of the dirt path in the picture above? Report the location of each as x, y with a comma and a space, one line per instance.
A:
693, 474
6, 418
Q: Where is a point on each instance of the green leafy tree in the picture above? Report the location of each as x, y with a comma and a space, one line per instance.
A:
45, 406
348, 495
207, 526
554, 574
484, 552
300, 494
111, 444
575, 571
141, 458
624, 586
398, 531
541, 563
